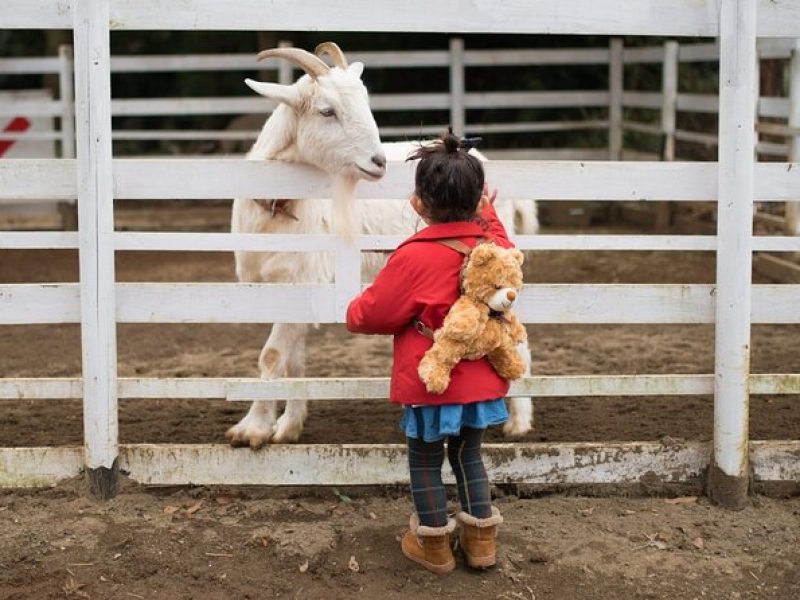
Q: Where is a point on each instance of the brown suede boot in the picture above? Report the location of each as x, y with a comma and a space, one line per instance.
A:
430, 546
477, 538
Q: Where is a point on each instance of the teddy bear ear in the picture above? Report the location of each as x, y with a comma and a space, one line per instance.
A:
518, 256
481, 254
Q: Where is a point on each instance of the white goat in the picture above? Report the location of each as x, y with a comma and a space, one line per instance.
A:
323, 119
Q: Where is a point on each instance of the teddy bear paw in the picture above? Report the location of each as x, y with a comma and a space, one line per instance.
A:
435, 378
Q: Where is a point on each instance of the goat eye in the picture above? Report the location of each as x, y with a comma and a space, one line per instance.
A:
327, 112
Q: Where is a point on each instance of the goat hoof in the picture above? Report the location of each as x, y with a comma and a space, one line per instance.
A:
287, 434
516, 428
239, 438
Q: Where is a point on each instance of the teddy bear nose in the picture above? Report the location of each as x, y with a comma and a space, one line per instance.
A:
511, 295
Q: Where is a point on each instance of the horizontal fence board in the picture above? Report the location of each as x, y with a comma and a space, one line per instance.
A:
36, 14
780, 243
378, 102
359, 464
541, 303
245, 303
775, 107
150, 63
39, 303
29, 66
543, 57
38, 467
700, 138
703, 103
545, 180
30, 108
775, 460
641, 100
652, 54
645, 17
233, 105
225, 303
360, 388
31, 135
362, 464
536, 126
642, 127
593, 17
548, 154
15, 240
484, 100
28, 178
776, 304
772, 149
225, 242
209, 242
239, 61
700, 52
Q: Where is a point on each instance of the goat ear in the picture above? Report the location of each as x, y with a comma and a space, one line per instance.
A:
274, 91
357, 68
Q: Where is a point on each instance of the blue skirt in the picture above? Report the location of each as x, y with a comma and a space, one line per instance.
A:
434, 423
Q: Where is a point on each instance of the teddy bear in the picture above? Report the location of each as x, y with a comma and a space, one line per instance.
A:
481, 322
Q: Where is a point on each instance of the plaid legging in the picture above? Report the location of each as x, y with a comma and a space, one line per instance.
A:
425, 461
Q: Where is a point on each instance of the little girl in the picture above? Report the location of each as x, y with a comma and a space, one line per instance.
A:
410, 298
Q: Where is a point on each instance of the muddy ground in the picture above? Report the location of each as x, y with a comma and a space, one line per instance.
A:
234, 543
240, 544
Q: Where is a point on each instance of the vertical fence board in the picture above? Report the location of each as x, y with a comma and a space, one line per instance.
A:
66, 90
616, 84
457, 87
792, 224
669, 101
96, 226
729, 472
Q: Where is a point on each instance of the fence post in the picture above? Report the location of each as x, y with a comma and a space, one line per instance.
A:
729, 471
669, 101
66, 94
616, 84
458, 117
96, 230
285, 69
792, 223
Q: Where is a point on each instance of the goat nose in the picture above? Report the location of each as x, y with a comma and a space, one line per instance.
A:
379, 160
511, 295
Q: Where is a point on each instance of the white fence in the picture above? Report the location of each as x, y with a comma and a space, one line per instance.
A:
98, 302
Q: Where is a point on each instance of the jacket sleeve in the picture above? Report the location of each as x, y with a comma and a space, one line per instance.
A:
494, 227
389, 304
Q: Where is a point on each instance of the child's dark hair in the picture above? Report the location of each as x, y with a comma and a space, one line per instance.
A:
448, 180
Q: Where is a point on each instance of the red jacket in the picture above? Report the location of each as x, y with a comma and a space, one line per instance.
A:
421, 279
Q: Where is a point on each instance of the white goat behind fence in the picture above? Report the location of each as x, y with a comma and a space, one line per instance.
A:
324, 119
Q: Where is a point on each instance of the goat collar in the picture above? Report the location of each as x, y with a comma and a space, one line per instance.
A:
275, 207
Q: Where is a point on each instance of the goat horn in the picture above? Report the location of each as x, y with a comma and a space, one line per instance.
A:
332, 49
313, 65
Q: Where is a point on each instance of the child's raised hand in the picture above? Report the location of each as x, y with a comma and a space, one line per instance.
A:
487, 198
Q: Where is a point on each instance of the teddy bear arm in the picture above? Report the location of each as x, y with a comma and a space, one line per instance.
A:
463, 322
436, 365
517, 329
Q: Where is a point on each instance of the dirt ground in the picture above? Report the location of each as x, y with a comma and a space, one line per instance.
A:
249, 543
239, 544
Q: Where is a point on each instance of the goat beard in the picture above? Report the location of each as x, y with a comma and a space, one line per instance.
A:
346, 218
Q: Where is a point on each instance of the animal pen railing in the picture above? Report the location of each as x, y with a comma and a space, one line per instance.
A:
665, 106
95, 178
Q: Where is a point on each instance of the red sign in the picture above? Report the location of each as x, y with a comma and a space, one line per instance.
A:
17, 125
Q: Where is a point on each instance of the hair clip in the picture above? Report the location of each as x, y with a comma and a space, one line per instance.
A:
468, 143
